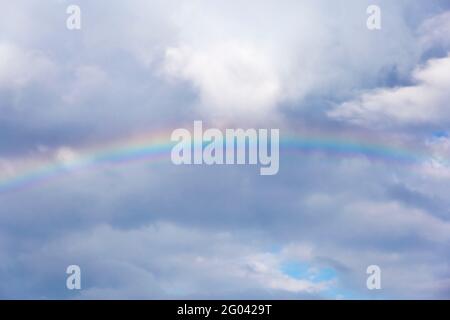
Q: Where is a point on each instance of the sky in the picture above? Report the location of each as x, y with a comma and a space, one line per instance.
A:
85, 171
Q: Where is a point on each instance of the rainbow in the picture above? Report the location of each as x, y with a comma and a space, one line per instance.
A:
147, 147
154, 147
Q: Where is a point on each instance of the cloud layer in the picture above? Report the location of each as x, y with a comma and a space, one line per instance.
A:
149, 229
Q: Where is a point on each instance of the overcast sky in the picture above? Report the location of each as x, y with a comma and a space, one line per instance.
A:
150, 229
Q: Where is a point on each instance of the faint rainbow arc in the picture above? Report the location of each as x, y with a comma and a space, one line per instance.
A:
157, 147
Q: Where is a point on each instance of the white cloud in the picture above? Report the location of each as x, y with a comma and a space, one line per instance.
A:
167, 261
66, 155
426, 102
248, 59
265, 269
232, 77
18, 67
437, 166
435, 31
